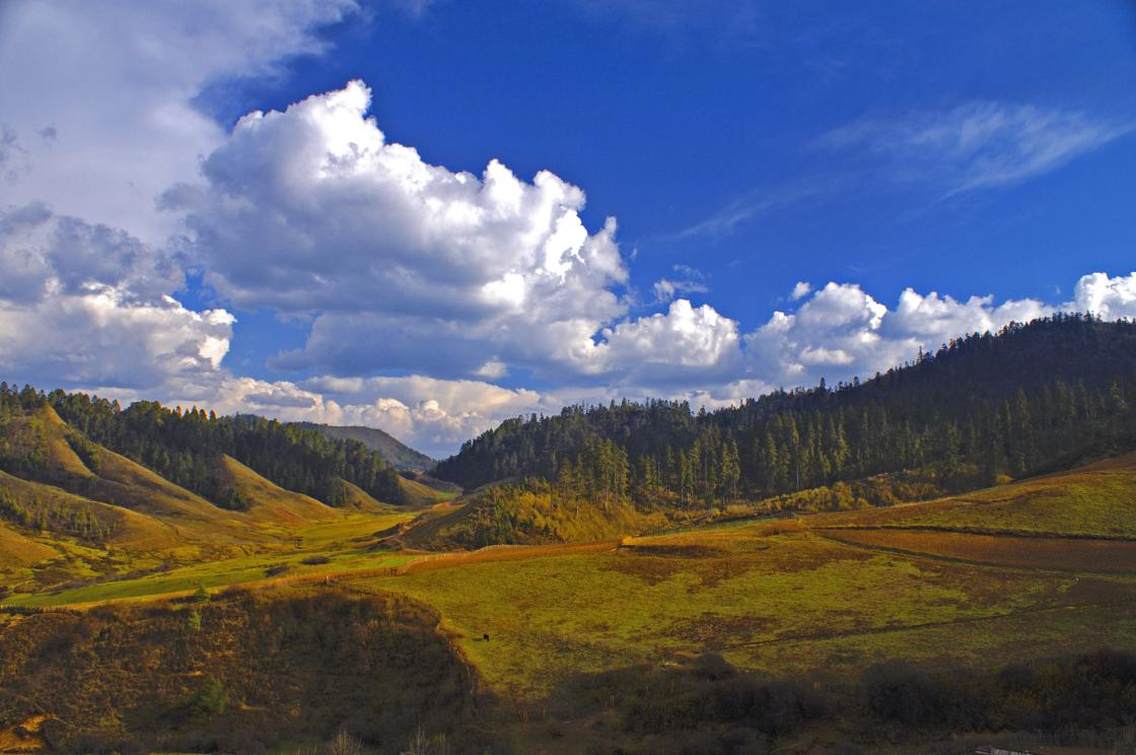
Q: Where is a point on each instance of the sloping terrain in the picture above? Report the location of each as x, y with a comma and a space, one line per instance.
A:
356, 499
417, 494
527, 514
1095, 500
266, 502
394, 451
605, 639
73, 510
236, 673
40, 447
17, 549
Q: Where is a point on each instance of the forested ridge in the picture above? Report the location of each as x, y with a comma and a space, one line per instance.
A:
186, 447
1031, 398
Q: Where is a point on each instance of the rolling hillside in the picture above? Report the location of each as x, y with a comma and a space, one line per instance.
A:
771, 633
73, 509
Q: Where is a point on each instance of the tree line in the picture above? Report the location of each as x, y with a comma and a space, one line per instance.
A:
37, 515
186, 446
1030, 398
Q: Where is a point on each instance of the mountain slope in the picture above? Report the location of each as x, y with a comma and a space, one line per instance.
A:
397, 454
186, 447
70, 502
267, 502
39, 447
1028, 400
1096, 500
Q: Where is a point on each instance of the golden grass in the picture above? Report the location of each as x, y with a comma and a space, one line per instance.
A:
767, 599
420, 495
1095, 500
268, 503
17, 549
777, 596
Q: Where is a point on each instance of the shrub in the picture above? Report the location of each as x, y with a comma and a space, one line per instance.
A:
211, 699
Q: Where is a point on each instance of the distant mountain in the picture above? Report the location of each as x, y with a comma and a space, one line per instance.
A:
396, 453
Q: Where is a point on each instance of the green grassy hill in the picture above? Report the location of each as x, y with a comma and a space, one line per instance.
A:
266, 502
72, 510
528, 513
1096, 500
418, 494
651, 643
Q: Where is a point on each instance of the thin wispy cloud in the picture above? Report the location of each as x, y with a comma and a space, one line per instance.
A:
976, 145
748, 207
734, 20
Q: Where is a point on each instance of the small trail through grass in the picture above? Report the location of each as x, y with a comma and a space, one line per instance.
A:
1071, 555
869, 631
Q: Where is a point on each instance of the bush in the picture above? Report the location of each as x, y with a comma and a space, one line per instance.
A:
211, 699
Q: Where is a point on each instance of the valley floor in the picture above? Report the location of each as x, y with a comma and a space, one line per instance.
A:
962, 584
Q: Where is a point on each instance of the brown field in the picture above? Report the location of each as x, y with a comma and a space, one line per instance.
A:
434, 562
1055, 553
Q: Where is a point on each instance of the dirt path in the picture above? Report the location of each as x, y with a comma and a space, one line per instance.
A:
503, 553
869, 631
1039, 553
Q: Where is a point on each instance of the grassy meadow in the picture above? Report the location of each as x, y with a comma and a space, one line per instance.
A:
1037, 569
782, 597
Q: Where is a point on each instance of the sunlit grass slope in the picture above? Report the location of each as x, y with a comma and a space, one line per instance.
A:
1094, 500
782, 597
268, 503
510, 513
778, 599
73, 510
418, 494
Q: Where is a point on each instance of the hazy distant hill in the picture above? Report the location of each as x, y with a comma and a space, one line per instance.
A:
397, 454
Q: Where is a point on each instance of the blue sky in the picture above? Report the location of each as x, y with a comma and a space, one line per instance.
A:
671, 116
926, 169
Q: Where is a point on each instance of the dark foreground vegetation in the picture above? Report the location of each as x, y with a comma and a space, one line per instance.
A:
291, 671
710, 707
1032, 398
242, 672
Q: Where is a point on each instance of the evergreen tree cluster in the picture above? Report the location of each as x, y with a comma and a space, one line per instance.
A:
1028, 399
186, 447
46, 516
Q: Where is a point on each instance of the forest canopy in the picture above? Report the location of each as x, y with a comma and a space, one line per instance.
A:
1030, 398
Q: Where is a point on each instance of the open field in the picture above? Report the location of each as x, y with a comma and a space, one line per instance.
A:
827, 592
341, 545
780, 603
